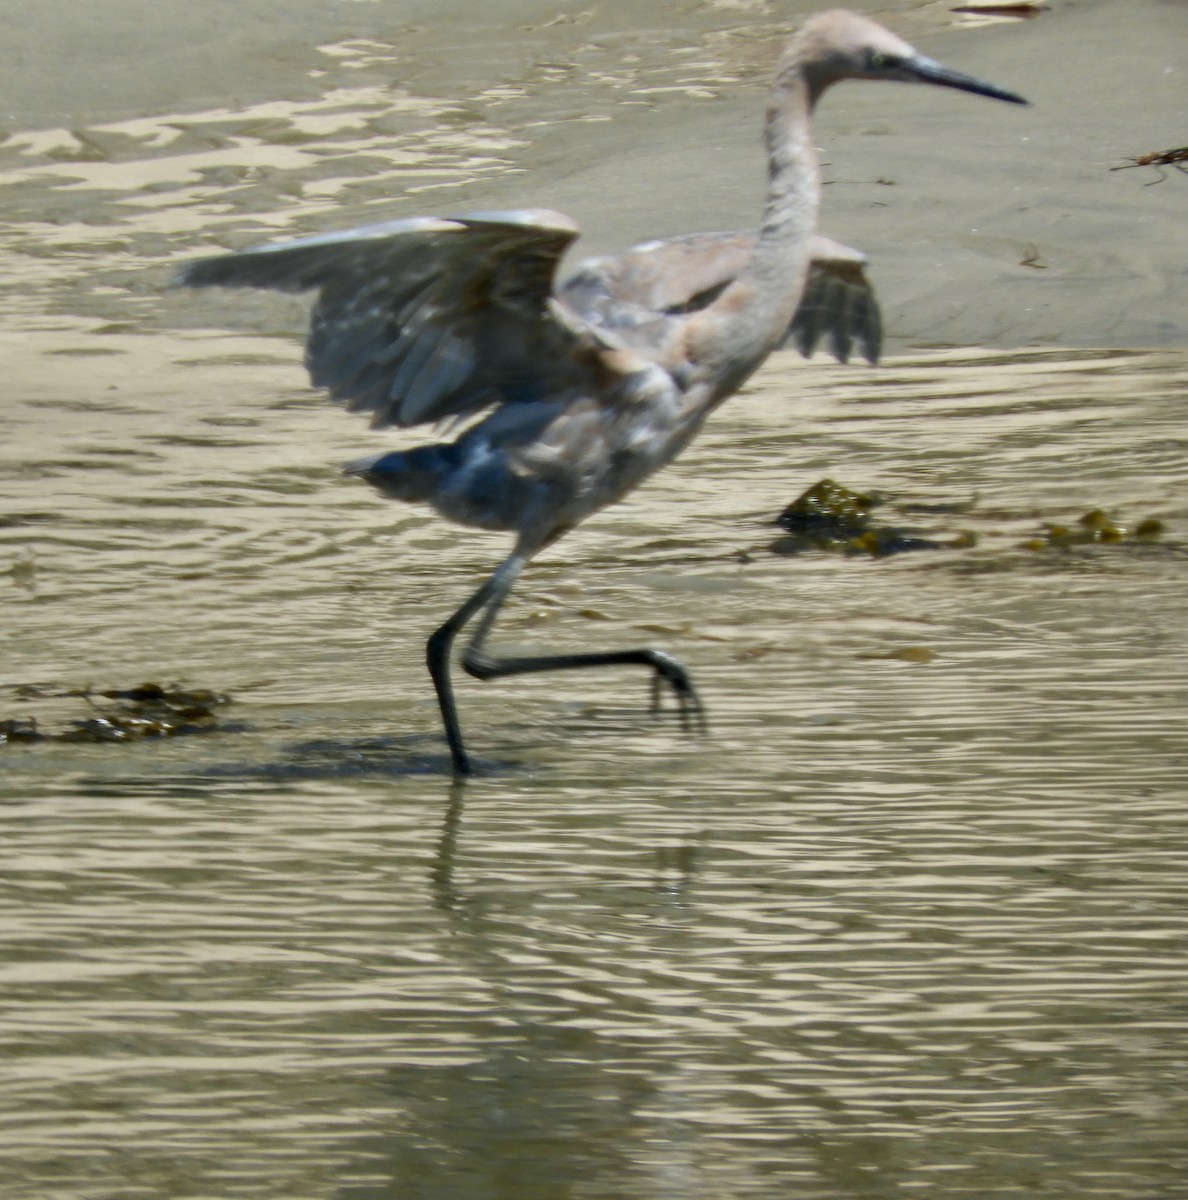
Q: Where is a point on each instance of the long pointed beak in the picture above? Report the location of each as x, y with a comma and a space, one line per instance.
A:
928, 70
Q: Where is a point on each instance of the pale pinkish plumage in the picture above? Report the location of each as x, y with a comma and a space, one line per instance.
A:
590, 386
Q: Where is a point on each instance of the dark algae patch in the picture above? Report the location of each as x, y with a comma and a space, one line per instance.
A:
149, 710
833, 518
1096, 528
829, 516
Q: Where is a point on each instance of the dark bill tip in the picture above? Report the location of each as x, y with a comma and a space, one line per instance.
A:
927, 70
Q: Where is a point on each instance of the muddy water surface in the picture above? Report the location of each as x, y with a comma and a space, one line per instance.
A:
909, 919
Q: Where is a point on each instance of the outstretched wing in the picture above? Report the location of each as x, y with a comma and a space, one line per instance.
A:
425, 319
838, 305
666, 279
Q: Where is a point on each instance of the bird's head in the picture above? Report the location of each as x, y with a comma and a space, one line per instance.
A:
839, 44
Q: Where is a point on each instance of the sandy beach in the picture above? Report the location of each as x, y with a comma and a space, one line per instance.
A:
140, 133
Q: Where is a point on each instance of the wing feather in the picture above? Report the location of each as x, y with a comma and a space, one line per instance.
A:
427, 319
665, 280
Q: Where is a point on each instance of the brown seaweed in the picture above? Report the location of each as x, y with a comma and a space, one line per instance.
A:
829, 516
148, 710
1095, 527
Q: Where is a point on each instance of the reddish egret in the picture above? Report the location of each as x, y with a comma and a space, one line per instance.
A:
590, 386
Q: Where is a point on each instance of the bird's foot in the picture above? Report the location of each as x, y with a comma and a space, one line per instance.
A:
666, 670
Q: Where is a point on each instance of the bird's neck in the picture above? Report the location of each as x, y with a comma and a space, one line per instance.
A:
728, 340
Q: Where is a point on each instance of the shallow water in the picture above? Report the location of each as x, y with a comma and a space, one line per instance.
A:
908, 920
892, 925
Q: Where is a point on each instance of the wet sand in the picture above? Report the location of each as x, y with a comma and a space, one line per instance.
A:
986, 225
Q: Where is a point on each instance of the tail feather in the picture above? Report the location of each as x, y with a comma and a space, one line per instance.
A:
411, 475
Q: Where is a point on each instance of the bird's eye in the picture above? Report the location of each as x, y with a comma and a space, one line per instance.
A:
876, 60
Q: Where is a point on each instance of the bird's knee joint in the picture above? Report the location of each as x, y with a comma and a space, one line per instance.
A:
437, 648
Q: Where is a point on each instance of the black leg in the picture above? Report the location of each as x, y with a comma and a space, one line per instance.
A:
488, 600
437, 656
665, 668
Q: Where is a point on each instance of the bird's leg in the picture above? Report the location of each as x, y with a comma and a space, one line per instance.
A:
441, 641
665, 669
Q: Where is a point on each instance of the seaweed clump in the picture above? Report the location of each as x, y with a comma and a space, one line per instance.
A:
829, 516
148, 710
1095, 527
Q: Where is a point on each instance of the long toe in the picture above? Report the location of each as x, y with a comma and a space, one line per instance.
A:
692, 710
666, 670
